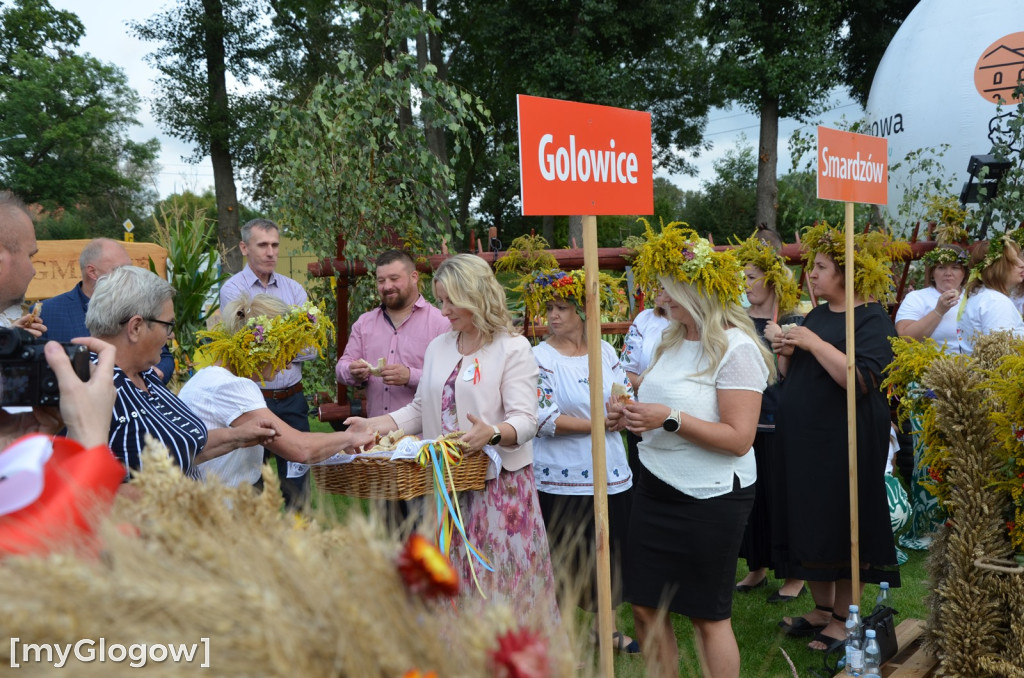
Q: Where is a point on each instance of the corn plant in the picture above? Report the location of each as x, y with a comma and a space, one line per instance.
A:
193, 269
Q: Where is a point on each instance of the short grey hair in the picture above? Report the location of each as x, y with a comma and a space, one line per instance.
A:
93, 251
125, 292
260, 223
10, 206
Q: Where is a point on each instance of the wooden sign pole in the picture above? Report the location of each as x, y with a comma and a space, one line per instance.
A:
851, 412
597, 432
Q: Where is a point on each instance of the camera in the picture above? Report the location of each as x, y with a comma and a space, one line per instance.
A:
25, 377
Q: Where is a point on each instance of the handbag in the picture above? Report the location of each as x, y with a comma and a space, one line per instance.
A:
883, 620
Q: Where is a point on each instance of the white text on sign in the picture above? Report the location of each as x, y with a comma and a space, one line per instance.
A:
585, 164
854, 169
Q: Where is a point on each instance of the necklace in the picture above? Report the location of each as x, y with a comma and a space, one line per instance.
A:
463, 345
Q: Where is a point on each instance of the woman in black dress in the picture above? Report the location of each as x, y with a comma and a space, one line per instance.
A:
812, 425
773, 295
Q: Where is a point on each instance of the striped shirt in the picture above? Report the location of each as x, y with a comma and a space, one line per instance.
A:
159, 413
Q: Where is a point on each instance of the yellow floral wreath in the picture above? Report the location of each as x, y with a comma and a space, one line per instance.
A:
266, 341
680, 253
777, 275
873, 253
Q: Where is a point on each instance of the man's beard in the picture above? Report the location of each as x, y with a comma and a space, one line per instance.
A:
397, 301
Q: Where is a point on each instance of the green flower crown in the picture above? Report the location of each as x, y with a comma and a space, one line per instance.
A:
941, 256
680, 253
996, 248
540, 287
777, 275
269, 341
873, 254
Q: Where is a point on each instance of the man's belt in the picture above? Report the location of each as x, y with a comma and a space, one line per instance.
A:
281, 393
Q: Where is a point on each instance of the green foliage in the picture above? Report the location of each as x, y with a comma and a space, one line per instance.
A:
190, 240
75, 112
637, 54
347, 163
1006, 209
724, 206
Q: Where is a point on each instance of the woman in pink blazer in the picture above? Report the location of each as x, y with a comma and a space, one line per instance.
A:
481, 379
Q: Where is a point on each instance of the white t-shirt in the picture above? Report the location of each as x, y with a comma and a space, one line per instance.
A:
920, 303
672, 381
643, 337
564, 464
988, 311
218, 398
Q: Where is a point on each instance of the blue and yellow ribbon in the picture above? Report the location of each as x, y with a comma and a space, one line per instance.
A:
441, 455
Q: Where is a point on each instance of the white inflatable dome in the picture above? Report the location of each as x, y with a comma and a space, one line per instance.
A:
938, 81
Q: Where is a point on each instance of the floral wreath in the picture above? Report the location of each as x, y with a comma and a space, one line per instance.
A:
266, 341
943, 255
540, 287
777, 275
680, 253
873, 253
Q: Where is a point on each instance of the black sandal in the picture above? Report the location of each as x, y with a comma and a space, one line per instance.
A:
800, 627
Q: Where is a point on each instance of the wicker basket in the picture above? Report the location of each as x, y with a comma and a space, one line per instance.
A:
380, 478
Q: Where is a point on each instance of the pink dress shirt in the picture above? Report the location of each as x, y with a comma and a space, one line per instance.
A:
373, 337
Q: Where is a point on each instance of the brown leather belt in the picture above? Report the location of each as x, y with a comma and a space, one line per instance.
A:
281, 393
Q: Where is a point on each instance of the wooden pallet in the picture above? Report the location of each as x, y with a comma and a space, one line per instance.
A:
910, 661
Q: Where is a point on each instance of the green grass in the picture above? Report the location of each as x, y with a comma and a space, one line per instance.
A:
755, 623
754, 620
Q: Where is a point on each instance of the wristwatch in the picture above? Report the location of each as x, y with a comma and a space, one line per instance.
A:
671, 424
496, 438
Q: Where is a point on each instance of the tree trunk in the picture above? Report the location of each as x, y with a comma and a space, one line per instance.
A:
575, 231
547, 229
228, 232
767, 166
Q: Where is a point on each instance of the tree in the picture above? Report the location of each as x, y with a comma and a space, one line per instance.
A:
725, 206
871, 25
776, 58
200, 43
354, 159
75, 112
632, 54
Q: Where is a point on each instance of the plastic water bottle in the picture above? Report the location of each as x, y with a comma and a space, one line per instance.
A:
872, 655
883, 596
854, 643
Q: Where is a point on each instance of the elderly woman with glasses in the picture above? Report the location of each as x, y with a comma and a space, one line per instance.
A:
132, 309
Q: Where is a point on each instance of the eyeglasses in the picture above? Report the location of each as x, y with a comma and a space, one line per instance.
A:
169, 326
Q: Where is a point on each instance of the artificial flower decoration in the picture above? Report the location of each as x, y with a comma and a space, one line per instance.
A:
777, 276
678, 252
267, 341
520, 654
874, 253
542, 286
425, 570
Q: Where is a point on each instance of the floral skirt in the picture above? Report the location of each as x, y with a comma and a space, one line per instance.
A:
504, 524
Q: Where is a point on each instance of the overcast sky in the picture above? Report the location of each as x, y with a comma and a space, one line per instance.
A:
108, 39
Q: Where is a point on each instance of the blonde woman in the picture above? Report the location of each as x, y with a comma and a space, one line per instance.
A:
480, 378
697, 410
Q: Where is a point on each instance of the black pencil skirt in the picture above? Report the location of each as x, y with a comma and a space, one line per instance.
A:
681, 552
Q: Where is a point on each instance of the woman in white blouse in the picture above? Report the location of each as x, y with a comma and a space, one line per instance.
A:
563, 448
931, 312
997, 268
697, 409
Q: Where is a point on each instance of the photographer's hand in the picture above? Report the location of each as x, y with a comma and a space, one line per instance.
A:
86, 406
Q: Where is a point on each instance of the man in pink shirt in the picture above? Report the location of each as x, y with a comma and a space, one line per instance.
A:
398, 331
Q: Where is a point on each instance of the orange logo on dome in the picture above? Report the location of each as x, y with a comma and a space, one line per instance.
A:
1000, 68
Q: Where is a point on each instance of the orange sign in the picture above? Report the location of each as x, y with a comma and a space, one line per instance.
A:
852, 167
584, 159
999, 67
